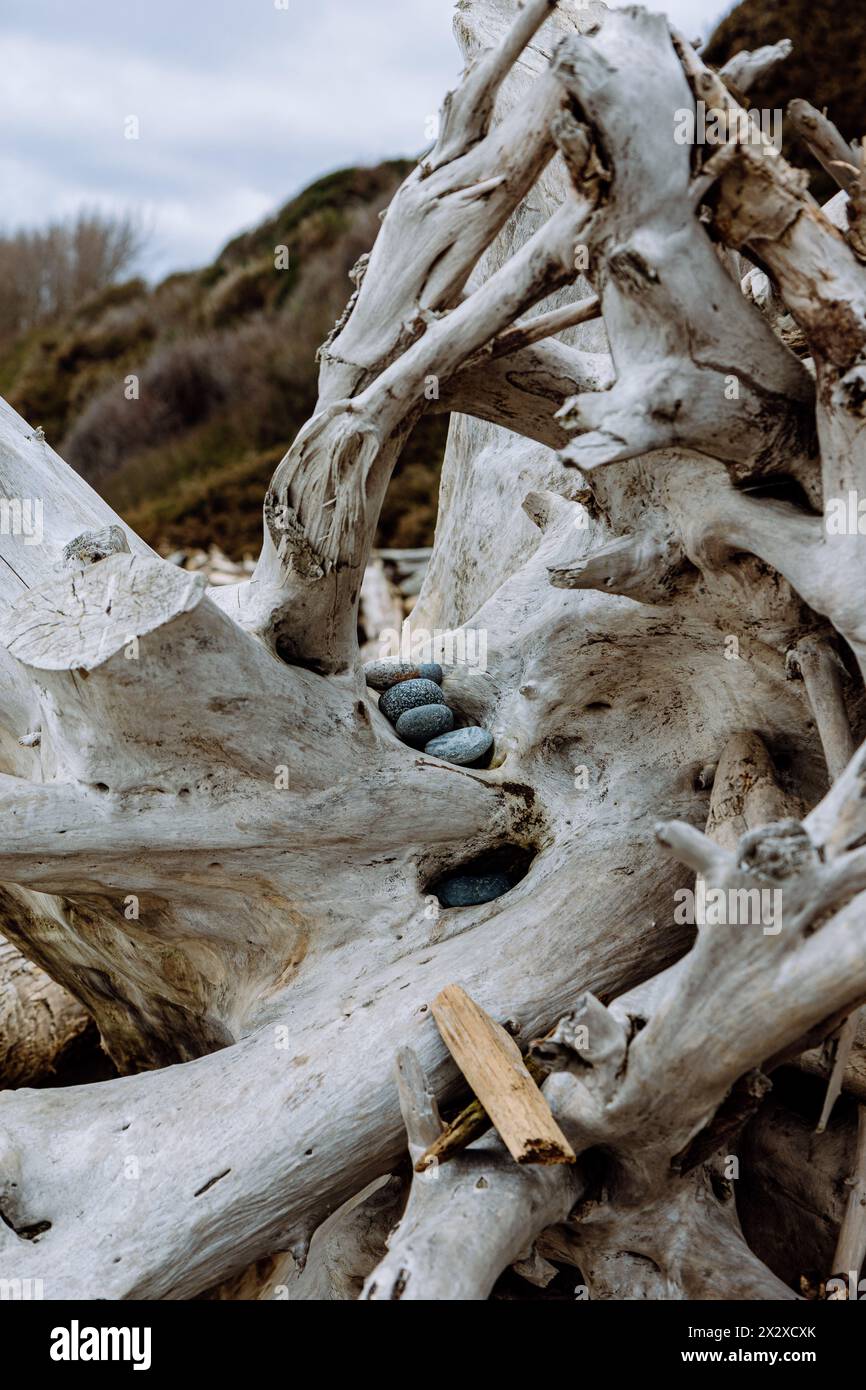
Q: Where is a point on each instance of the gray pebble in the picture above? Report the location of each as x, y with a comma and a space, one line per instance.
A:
408, 695
465, 890
462, 746
381, 675
417, 726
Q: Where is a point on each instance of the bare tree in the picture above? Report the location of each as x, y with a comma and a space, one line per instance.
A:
214, 840
46, 272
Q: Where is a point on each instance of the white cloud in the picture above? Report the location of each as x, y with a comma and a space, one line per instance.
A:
239, 104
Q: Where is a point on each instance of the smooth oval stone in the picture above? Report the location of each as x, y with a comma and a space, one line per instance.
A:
461, 746
381, 675
407, 695
465, 890
419, 725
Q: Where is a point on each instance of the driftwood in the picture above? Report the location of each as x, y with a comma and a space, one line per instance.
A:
215, 842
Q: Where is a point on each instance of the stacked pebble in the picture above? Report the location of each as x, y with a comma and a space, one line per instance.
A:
411, 697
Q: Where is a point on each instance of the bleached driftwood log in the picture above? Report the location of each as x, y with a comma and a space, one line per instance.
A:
215, 841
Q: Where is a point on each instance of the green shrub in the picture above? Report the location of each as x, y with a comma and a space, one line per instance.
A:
225, 361
112, 297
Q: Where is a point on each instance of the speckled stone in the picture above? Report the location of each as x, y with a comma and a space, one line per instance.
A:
418, 726
466, 890
381, 675
408, 695
462, 746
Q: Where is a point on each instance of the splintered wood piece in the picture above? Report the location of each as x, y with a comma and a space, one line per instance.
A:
469, 1125
464, 1129
491, 1062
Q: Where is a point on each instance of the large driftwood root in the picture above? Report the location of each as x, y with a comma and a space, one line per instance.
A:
214, 841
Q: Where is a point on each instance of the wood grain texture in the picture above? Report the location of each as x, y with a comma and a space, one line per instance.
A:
491, 1062
228, 853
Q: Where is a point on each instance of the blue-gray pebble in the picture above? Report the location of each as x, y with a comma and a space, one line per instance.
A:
461, 746
418, 726
407, 695
466, 890
381, 675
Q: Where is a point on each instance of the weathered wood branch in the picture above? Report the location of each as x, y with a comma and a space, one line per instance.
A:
648, 253
830, 148
217, 842
748, 66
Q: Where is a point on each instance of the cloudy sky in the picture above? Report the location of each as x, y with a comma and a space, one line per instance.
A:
239, 103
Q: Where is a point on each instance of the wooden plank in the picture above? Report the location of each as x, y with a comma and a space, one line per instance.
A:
491, 1062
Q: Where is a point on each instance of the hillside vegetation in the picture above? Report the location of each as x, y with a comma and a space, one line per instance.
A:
224, 362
